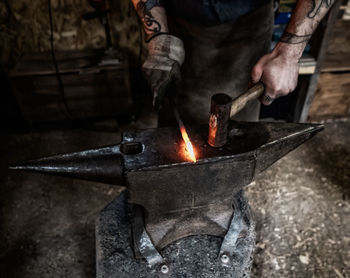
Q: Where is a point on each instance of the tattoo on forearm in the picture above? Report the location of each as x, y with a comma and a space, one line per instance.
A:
316, 6
293, 38
143, 9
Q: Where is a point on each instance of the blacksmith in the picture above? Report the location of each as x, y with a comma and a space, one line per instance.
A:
219, 46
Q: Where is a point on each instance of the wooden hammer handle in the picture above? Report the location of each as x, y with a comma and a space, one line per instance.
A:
241, 101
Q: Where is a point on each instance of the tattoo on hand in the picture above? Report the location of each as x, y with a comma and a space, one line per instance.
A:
143, 9
293, 38
316, 6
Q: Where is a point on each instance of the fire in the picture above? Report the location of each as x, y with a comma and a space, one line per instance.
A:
188, 143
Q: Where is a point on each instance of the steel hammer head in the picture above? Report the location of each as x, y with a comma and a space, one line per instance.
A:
223, 108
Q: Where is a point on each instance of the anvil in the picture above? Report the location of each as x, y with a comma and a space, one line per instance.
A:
180, 198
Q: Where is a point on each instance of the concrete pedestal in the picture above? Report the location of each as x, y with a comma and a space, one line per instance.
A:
194, 256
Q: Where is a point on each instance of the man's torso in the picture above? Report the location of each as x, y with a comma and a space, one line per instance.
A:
211, 12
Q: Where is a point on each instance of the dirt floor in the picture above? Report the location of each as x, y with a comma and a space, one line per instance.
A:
301, 205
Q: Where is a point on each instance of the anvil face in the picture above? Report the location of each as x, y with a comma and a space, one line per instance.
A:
182, 198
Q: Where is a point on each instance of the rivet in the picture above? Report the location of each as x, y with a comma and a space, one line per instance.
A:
225, 259
164, 269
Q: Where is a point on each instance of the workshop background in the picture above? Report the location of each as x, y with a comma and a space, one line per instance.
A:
301, 204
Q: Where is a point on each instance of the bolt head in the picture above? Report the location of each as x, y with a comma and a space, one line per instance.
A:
164, 269
225, 259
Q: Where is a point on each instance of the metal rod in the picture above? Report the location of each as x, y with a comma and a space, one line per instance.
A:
178, 118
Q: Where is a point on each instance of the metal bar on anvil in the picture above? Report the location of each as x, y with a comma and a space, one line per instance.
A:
175, 192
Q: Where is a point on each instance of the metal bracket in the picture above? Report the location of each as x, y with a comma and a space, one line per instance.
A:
148, 251
236, 227
143, 245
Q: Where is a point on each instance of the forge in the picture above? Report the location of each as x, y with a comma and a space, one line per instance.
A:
176, 217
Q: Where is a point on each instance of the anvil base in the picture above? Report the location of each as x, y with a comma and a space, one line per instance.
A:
194, 256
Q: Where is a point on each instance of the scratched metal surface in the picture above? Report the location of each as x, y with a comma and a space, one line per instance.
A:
165, 147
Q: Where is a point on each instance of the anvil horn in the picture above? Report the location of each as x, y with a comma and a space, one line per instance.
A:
283, 139
102, 165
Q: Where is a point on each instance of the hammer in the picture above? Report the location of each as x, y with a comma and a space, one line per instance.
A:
223, 108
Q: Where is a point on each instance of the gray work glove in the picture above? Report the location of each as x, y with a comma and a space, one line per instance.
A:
162, 67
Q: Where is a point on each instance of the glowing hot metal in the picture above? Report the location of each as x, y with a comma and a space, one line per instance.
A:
185, 137
188, 143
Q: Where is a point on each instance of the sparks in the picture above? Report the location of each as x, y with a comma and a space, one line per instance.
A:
188, 143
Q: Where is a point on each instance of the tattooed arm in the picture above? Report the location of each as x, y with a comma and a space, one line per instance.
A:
306, 16
153, 17
279, 69
165, 52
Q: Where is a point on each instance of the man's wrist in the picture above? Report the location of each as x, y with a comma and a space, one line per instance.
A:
150, 37
289, 51
292, 43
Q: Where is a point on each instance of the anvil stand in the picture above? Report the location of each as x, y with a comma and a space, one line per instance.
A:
176, 218
193, 256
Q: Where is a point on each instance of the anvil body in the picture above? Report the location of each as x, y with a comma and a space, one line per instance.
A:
179, 197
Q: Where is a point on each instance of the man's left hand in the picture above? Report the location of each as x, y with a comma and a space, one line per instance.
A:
278, 71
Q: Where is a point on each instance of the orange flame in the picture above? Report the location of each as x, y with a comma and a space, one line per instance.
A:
188, 143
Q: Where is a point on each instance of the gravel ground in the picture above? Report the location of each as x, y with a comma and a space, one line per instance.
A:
301, 206
302, 209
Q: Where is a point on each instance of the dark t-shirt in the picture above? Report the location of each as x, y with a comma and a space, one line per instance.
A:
211, 12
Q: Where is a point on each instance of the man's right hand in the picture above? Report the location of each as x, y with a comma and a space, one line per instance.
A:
162, 67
